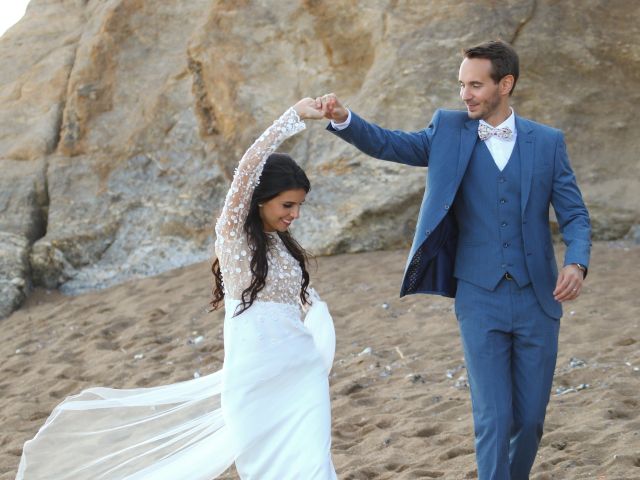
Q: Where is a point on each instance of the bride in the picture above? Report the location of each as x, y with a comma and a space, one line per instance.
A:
268, 409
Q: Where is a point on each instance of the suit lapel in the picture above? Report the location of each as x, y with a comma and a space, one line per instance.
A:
468, 138
525, 142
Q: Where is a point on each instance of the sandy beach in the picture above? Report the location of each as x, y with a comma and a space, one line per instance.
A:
401, 407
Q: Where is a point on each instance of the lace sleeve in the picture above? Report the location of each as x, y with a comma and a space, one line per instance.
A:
247, 175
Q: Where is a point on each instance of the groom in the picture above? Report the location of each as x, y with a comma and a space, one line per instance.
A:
483, 237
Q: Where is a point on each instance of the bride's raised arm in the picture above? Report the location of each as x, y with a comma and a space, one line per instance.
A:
247, 174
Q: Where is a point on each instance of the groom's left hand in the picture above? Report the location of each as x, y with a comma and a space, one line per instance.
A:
569, 283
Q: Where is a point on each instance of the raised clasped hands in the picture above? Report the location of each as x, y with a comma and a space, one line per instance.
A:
569, 283
327, 106
331, 108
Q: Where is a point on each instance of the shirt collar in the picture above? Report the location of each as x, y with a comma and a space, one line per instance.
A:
509, 122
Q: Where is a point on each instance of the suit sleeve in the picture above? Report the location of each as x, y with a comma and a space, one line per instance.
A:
409, 148
571, 212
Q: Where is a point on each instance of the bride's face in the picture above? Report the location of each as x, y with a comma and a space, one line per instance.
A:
279, 213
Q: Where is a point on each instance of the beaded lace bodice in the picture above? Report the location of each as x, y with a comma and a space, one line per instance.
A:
284, 277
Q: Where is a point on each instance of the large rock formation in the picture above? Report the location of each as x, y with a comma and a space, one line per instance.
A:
122, 120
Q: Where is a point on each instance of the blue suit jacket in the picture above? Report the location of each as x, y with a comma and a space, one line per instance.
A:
445, 146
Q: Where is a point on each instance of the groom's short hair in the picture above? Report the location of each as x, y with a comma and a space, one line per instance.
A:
503, 57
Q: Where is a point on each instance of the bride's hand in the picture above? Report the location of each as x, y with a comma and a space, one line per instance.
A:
306, 109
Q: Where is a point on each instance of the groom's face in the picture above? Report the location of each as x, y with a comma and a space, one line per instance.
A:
478, 90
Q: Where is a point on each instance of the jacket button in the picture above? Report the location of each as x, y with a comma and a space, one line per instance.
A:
446, 206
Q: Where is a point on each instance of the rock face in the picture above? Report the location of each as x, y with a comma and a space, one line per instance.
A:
23, 205
122, 120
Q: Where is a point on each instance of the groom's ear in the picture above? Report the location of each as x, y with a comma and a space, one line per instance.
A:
506, 84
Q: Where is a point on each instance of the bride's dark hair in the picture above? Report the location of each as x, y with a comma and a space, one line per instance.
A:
280, 173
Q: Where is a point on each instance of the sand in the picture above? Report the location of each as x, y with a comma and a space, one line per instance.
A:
401, 407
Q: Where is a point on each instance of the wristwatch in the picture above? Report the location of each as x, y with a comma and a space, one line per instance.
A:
582, 268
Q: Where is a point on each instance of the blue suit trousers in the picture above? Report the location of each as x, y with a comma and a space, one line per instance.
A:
510, 347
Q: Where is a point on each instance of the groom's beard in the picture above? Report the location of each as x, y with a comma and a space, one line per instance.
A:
486, 108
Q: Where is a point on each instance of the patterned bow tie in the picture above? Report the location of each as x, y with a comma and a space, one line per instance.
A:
485, 131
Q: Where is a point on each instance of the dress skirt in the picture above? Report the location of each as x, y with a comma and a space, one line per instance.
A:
275, 397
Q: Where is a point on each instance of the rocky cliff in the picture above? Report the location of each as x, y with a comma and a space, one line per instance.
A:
122, 120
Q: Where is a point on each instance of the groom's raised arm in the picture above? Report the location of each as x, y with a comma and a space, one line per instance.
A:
409, 148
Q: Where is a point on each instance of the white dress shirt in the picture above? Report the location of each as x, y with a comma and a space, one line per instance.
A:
342, 125
499, 148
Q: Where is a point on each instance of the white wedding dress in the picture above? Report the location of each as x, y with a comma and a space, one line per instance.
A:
268, 409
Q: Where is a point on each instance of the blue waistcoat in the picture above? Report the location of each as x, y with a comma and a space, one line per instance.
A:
489, 218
